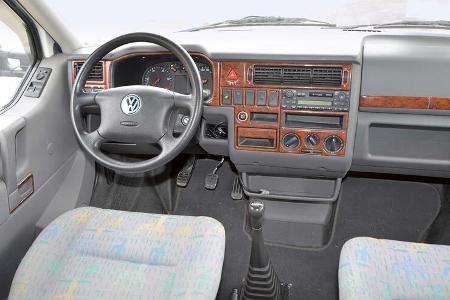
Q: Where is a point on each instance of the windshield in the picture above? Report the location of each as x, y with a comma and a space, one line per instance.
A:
94, 22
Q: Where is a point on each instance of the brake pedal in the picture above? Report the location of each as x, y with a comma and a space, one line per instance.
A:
185, 173
237, 192
212, 179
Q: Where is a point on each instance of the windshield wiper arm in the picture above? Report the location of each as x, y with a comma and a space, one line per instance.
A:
263, 21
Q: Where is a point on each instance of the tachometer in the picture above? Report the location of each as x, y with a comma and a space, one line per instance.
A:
159, 76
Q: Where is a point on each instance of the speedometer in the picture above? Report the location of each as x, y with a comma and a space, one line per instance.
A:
158, 76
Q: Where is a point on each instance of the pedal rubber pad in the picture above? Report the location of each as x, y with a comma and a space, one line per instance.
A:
237, 192
211, 181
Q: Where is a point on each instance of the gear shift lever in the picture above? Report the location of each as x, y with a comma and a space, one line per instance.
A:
261, 282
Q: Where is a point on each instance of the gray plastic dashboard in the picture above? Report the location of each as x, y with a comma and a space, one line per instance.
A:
400, 63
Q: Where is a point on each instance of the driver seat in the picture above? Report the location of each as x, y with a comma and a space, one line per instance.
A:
93, 253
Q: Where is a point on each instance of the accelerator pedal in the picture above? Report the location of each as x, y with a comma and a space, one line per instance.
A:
237, 192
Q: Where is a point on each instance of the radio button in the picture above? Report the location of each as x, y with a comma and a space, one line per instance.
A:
288, 93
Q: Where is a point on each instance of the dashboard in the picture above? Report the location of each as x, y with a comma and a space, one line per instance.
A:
374, 102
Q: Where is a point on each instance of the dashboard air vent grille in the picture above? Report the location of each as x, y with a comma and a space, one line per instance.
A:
298, 76
268, 75
96, 73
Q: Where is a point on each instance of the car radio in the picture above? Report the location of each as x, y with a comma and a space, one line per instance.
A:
315, 100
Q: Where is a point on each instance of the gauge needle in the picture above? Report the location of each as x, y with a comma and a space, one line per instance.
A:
156, 81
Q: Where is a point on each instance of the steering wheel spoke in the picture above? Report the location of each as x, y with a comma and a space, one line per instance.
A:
184, 101
93, 138
86, 98
167, 142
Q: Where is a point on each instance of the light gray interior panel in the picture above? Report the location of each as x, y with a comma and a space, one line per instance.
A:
36, 138
402, 143
406, 66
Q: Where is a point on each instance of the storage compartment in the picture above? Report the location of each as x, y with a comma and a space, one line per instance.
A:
312, 121
256, 138
291, 188
297, 224
428, 143
263, 117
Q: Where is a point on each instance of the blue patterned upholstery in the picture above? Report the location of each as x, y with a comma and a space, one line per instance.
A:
91, 253
384, 269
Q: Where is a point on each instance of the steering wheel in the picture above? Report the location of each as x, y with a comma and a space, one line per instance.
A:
137, 114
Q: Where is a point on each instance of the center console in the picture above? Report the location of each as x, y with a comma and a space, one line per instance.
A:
288, 108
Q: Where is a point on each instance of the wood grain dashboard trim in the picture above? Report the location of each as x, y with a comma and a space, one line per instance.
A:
244, 71
394, 102
405, 102
104, 84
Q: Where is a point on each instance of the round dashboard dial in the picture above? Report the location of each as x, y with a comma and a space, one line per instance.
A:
158, 76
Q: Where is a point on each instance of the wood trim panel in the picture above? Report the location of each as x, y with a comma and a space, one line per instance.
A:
394, 102
405, 102
258, 109
242, 132
439, 103
245, 80
105, 84
30, 193
322, 134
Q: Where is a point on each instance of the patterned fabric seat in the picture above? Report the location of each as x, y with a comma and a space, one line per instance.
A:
384, 269
91, 253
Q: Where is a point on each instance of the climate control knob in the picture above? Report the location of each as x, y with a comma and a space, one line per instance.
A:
291, 141
333, 144
312, 140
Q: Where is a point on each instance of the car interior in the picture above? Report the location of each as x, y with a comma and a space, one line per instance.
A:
256, 158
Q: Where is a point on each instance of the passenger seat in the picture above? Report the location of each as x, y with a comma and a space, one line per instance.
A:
384, 269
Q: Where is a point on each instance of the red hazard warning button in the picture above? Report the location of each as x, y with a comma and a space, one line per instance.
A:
232, 75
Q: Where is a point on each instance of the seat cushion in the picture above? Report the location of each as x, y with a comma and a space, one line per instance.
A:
92, 253
383, 269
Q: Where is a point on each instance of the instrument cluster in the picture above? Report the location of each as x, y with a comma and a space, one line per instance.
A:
163, 71
173, 76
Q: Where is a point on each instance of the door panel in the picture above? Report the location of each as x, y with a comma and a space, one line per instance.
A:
36, 138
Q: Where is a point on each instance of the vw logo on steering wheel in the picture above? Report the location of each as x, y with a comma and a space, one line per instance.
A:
131, 104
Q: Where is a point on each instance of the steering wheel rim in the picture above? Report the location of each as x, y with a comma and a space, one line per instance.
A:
163, 102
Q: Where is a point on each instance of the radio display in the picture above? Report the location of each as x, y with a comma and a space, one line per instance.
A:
315, 102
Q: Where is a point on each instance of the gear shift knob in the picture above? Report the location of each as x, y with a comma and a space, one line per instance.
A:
256, 212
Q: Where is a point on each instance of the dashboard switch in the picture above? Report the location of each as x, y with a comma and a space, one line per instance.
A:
226, 97
250, 97
232, 75
261, 97
273, 98
238, 97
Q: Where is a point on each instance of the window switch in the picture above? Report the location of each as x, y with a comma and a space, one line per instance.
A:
37, 84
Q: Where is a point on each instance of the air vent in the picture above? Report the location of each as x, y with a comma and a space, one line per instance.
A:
298, 76
268, 75
96, 73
